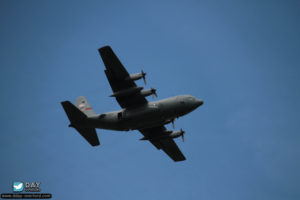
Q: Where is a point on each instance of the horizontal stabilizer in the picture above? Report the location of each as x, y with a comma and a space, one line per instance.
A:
89, 134
77, 119
74, 114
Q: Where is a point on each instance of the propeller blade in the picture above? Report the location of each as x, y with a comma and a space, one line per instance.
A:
173, 125
154, 94
144, 76
182, 134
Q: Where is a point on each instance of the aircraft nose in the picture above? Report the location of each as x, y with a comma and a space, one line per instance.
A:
199, 102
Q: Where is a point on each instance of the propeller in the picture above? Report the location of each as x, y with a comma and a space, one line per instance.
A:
173, 125
144, 76
154, 94
182, 134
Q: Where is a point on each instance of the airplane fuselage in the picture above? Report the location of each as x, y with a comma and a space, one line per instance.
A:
149, 115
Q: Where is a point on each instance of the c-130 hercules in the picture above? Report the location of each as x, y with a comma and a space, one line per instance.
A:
136, 114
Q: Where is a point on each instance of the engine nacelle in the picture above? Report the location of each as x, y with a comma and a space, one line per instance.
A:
127, 92
135, 76
167, 134
176, 134
148, 92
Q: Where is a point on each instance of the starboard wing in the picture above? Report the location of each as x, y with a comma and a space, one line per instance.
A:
119, 79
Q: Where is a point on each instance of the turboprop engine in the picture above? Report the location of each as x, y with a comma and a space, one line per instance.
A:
168, 134
138, 76
148, 92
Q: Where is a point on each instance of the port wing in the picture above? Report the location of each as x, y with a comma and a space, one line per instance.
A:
166, 144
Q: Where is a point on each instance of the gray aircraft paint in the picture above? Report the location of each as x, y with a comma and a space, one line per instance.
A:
84, 106
153, 114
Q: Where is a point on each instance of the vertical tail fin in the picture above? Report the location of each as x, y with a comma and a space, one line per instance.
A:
84, 106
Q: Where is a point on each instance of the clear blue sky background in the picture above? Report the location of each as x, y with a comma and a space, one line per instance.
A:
241, 57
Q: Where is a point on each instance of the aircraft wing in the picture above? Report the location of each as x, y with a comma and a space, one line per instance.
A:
118, 78
166, 144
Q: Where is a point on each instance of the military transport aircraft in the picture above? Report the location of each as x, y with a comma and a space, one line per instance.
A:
136, 114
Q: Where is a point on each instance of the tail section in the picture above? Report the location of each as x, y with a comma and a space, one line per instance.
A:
77, 119
84, 106
75, 116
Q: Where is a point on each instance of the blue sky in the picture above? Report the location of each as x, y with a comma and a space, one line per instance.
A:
241, 57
